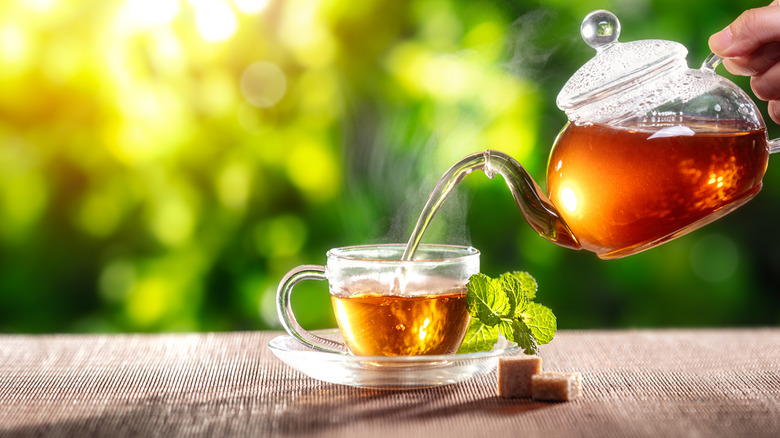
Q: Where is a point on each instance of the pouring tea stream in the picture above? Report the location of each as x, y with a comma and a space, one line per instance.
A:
652, 150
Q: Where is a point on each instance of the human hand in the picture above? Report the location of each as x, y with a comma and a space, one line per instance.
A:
750, 46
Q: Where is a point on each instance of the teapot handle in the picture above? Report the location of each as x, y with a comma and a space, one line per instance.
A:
713, 61
774, 145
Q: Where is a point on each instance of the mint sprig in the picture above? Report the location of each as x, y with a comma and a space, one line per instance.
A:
505, 305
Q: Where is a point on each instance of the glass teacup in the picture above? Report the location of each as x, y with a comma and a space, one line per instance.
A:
388, 307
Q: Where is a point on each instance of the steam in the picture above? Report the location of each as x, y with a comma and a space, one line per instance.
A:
395, 166
529, 45
450, 225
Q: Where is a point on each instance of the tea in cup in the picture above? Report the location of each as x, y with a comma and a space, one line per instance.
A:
386, 306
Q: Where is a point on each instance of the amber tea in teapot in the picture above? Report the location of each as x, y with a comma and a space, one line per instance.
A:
621, 188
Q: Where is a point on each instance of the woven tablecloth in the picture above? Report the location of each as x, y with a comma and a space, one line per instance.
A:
654, 383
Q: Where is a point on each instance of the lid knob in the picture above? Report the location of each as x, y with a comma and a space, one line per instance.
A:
600, 29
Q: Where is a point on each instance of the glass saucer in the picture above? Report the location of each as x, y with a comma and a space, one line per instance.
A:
398, 372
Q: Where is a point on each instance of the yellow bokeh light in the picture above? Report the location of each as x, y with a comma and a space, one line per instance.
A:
499, 92
251, 6
40, 5
234, 185
143, 13
172, 220
154, 123
217, 93
146, 302
62, 60
446, 77
312, 168
440, 28
12, 42
263, 84
487, 33
166, 52
302, 30
319, 94
215, 19
512, 136
16, 50
406, 62
23, 197
281, 236
256, 120
100, 213
160, 292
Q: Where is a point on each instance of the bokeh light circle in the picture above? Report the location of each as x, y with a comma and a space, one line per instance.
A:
263, 84
714, 258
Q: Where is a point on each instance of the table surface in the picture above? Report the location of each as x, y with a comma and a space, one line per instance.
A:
698, 383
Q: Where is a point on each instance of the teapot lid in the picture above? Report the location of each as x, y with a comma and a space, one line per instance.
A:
616, 68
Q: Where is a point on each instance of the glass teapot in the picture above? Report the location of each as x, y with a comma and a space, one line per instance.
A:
652, 150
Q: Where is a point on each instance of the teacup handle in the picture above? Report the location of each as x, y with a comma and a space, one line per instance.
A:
774, 145
286, 316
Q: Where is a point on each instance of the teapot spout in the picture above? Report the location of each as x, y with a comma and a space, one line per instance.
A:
537, 209
535, 206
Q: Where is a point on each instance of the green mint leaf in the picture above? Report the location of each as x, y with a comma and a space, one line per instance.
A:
479, 337
521, 284
515, 292
506, 328
504, 306
523, 336
541, 321
485, 300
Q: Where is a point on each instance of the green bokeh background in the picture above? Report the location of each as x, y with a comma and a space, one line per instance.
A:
164, 163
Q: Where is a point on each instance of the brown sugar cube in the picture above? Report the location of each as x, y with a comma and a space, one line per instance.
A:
514, 375
556, 386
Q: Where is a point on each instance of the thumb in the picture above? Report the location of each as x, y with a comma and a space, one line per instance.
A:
748, 32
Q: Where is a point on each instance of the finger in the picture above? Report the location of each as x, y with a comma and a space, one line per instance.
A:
757, 62
766, 85
774, 111
748, 32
